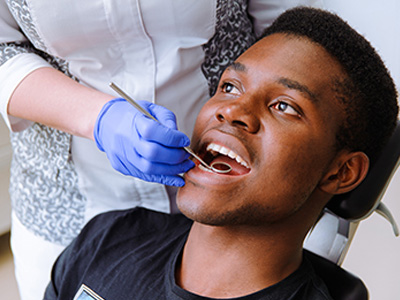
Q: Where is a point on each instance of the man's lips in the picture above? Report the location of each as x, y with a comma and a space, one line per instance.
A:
219, 156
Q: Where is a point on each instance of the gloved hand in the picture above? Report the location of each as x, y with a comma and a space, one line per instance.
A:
141, 147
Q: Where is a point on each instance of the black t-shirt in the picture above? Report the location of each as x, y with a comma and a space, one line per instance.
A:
131, 254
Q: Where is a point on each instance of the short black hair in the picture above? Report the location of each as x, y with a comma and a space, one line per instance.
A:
368, 95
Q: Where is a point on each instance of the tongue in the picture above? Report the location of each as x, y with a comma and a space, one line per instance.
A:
237, 169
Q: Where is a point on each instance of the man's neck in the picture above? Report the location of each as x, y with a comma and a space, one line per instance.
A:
220, 262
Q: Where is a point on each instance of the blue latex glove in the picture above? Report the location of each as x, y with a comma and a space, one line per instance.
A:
141, 147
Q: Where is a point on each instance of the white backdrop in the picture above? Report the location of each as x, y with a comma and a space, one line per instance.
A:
374, 254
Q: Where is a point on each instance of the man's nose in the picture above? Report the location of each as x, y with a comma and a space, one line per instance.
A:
238, 114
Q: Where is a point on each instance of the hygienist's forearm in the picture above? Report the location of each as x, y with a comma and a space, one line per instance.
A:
49, 97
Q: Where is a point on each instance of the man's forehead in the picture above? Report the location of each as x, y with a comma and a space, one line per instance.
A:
290, 51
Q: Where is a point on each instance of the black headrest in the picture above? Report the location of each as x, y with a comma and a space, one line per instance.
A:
341, 284
362, 201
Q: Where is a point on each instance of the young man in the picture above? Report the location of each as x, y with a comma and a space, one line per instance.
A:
299, 116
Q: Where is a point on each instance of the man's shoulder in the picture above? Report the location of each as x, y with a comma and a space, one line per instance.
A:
302, 284
117, 240
132, 222
316, 288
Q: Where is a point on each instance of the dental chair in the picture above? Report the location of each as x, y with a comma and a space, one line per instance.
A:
328, 242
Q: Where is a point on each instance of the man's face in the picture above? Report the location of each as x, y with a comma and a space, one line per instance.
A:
276, 115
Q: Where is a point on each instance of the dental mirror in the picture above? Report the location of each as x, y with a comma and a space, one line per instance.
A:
223, 167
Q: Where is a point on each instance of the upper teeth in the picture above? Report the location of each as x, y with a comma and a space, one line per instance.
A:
225, 151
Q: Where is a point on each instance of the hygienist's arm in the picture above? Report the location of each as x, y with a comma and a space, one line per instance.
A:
51, 98
32, 91
134, 144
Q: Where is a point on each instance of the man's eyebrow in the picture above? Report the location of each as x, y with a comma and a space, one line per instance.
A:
292, 84
237, 66
288, 83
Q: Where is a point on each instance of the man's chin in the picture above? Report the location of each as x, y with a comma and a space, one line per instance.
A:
196, 211
200, 212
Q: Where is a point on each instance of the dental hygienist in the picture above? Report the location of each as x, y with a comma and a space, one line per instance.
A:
78, 149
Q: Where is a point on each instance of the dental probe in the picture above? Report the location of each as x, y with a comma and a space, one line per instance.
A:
227, 167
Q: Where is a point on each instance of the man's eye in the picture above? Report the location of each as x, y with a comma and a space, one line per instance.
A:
285, 108
229, 88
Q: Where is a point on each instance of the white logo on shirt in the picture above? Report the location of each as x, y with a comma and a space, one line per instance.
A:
85, 293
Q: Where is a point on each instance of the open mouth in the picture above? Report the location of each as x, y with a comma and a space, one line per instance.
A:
219, 156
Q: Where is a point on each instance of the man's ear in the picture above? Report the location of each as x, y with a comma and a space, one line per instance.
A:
346, 172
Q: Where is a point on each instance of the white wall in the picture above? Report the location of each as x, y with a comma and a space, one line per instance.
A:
375, 253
